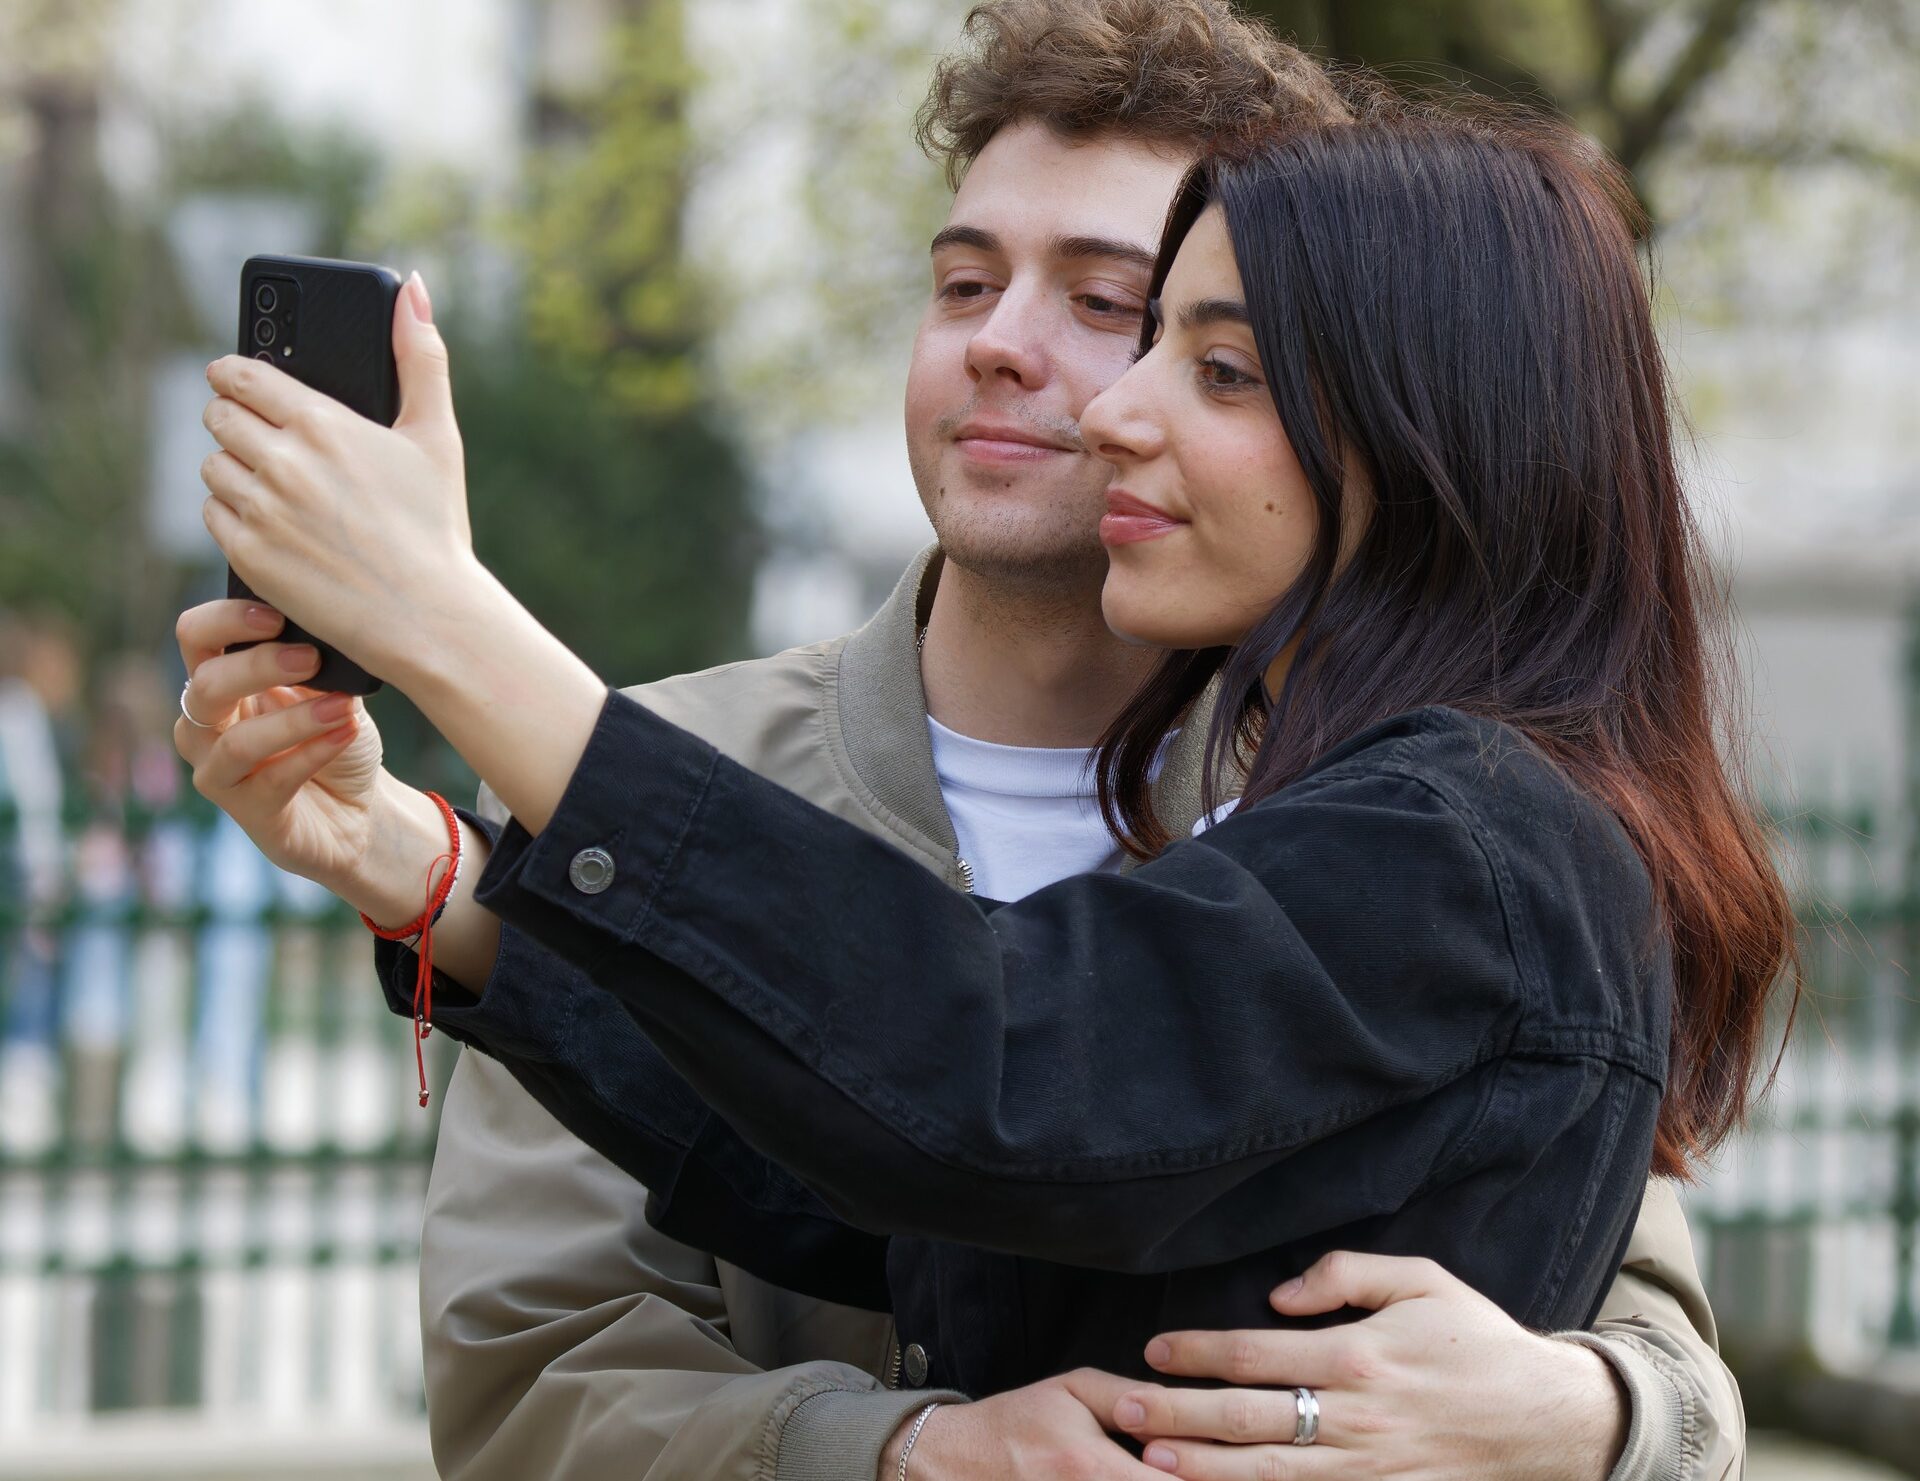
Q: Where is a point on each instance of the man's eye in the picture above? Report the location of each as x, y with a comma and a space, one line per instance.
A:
964, 291
1107, 308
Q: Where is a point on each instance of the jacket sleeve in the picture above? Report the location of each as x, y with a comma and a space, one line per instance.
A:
1657, 1332
627, 1103
1105, 1073
564, 1336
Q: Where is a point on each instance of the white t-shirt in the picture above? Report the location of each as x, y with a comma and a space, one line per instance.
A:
1024, 816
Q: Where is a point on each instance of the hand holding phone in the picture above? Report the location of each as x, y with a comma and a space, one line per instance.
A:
329, 324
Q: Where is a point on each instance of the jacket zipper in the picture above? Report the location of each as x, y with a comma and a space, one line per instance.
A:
966, 874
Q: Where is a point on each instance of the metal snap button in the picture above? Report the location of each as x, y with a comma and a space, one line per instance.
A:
591, 870
915, 1365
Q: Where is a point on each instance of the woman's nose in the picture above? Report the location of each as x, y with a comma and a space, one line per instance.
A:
1115, 425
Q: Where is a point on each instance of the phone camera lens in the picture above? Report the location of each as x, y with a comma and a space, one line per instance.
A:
263, 331
263, 355
264, 298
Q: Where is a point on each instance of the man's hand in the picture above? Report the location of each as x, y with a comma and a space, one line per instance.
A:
1051, 1431
1438, 1385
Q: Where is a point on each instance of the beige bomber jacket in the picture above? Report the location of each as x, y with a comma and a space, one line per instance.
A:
565, 1339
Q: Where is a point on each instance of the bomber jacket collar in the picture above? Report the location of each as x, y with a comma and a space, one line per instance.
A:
880, 707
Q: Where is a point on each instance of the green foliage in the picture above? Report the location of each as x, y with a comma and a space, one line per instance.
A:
248, 148
632, 540
607, 294
605, 494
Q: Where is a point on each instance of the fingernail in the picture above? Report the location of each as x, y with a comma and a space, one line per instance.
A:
422, 305
1131, 1413
1288, 1289
1160, 1458
262, 617
332, 707
1158, 1353
300, 658
335, 737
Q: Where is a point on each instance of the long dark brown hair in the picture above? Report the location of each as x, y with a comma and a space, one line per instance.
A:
1455, 322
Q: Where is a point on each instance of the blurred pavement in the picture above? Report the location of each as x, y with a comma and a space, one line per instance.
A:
1781, 1458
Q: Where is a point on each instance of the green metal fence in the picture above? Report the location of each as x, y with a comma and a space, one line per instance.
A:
1806, 1226
212, 1156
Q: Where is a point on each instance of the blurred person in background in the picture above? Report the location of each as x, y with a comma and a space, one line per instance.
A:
125, 770
565, 1336
40, 687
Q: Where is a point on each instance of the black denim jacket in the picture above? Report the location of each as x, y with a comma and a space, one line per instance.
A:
1415, 1003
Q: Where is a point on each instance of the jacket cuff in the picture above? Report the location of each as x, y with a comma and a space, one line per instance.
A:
837, 1435
612, 838
530, 1025
1661, 1433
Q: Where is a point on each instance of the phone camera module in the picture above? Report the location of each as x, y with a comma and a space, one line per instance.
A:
263, 331
265, 299
263, 355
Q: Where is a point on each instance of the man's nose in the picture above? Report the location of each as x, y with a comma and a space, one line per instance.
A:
1012, 343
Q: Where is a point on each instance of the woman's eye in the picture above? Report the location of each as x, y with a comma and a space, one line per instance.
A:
1218, 375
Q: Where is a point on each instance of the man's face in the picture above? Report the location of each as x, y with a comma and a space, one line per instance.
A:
1039, 283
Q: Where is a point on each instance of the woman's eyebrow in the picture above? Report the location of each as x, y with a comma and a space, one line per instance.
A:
1204, 311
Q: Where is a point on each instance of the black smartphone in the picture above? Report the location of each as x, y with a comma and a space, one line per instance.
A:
329, 324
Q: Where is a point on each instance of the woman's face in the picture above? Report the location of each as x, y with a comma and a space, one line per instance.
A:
1209, 517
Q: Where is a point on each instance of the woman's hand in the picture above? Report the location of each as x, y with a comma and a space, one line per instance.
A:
356, 531
1054, 1429
359, 534
1438, 1385
300, 770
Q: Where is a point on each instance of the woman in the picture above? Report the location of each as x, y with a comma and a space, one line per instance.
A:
1487, 930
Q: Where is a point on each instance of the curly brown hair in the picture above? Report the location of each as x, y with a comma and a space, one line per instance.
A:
1192, 74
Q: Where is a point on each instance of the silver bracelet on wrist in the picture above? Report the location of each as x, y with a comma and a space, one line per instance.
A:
912, 1435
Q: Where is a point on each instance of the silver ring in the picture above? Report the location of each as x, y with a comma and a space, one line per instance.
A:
183, 708
1306, 1416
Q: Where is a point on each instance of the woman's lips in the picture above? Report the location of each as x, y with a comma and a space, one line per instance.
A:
1129, 520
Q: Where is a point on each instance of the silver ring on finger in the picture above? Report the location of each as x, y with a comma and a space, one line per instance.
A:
188, 713
1306, 1416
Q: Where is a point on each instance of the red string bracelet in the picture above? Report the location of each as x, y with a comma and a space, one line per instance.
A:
423, 925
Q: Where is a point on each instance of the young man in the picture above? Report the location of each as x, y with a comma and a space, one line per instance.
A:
566, 1339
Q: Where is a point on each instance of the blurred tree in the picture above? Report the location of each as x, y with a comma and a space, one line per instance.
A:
607, 293
1704, 100
630, 539
605, 493
605, 488
96, 302
1632, 72
1588, 57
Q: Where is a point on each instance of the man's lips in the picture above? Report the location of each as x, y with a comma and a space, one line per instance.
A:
1129, 520
996, 442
